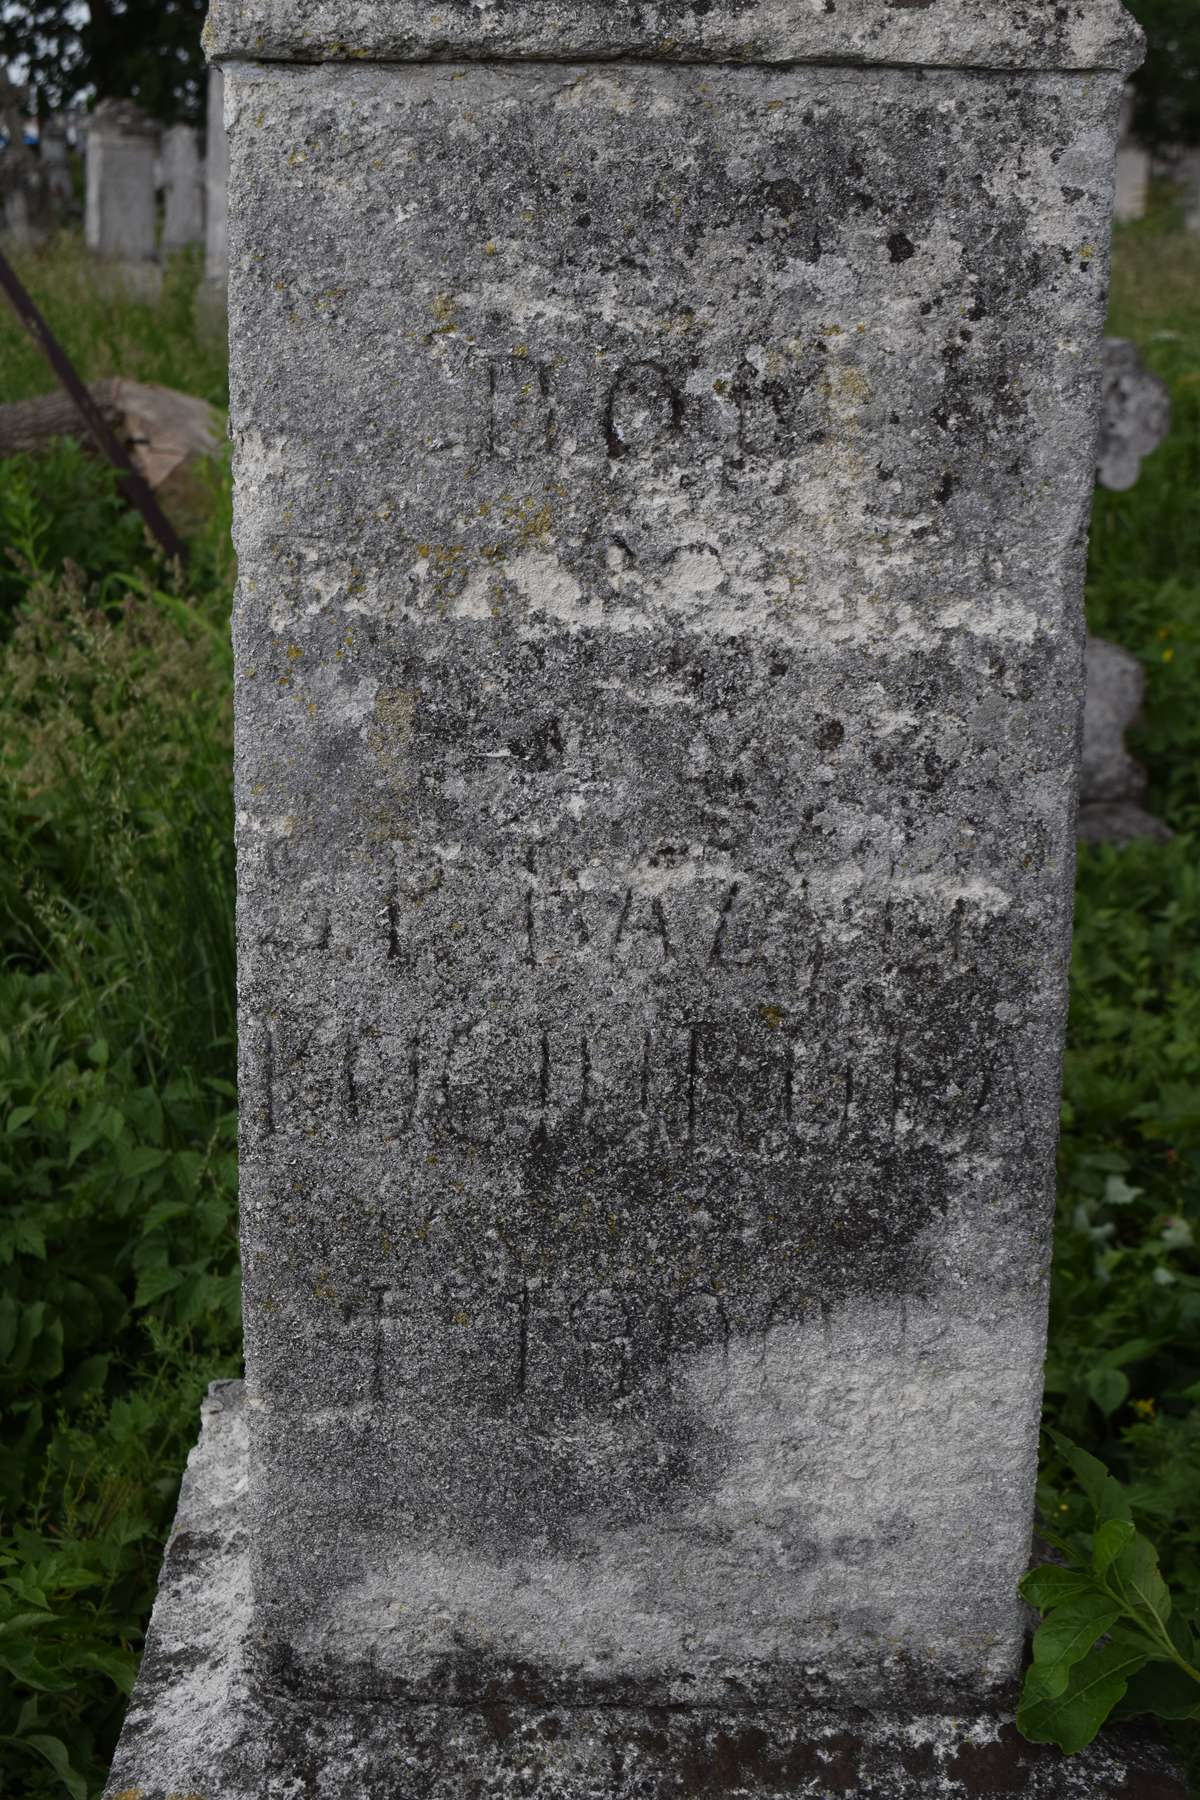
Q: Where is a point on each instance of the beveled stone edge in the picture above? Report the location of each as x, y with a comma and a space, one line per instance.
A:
1004, 36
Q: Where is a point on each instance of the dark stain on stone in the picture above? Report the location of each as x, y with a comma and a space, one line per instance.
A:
999, 1767
900, 247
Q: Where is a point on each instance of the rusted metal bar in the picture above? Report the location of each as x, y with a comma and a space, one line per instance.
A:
135, 487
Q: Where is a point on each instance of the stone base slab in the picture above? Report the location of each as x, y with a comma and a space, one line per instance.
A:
195, 1727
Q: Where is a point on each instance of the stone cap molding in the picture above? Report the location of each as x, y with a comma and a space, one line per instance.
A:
1001, 35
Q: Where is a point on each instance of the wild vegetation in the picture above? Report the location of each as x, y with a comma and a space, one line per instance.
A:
118, 1270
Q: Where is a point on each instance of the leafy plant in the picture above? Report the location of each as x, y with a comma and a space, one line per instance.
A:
1112, 1643
118, 1249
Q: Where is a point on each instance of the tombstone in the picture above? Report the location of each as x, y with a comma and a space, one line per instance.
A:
661, 475
52, 149
120, 216
183, 182
1135, 416
1111, 782
22, 192
1186, 172
15, 218
1133, 170
216, 212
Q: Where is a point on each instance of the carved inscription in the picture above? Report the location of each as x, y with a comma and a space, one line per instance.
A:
647, 406
518, 410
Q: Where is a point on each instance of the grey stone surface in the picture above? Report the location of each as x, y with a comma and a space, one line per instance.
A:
197, 1726
120, 221
1111, 782
997, 35
182, 179
1136, 415
661, 498
661, 501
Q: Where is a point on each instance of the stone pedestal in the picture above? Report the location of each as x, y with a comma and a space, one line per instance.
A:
201, 1724
183, 182
663, 465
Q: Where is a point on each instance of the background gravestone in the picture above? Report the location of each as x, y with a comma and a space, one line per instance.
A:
661, 498
1135, 415
182, 177
216, 208
120, 222
53, 151
1133, 171
1112, 783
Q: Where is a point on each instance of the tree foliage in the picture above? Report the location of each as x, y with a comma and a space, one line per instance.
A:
144, 50
1168, 84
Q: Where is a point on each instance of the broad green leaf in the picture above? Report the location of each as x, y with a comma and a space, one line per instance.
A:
162, 1211
25, 1621
1067, 1636
1117, 1192
1110, 1539
1135, 1575
1132, 1350
1072, 1718
1106, 1494
1109, 1388
57, 1755
1051, 1585
20, 1115
1161, 1688
152, 1284
118, 1665
140, 1161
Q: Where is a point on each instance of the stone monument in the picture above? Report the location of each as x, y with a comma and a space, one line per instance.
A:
120, 223
664, 448
183, 182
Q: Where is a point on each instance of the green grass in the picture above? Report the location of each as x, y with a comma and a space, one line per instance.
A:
118, 1289
106, 332
1125, 1320
118, 1255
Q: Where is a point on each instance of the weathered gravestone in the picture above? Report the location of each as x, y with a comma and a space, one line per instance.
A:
664, 454
120, 221
183, 182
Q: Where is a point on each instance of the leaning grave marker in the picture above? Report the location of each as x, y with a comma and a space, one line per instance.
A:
664, 455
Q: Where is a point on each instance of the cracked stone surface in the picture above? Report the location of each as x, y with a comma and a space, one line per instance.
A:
661, 495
